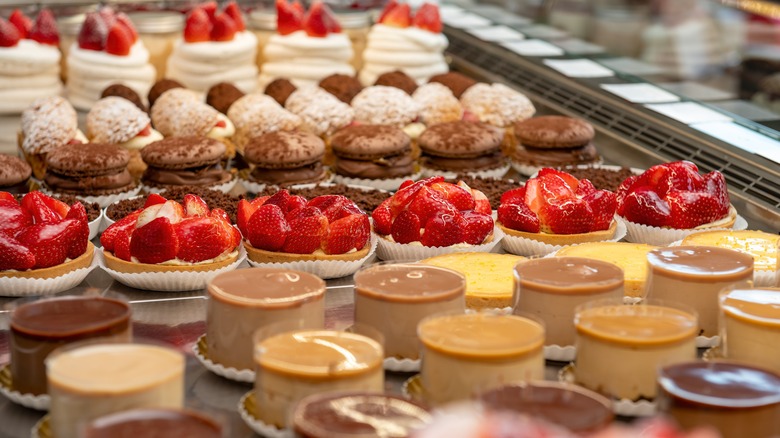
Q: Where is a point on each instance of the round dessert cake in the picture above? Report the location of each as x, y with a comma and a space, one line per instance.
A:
750, 326
161, 422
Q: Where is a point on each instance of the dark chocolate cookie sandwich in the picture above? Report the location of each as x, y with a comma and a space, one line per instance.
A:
178, 161
553, 141
14, 174
285, 158
462, 147
372, 152
92, 169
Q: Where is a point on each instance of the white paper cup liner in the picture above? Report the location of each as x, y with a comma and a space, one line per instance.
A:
224, 187
707, 341
252, 187
638, 233
387, 250
324, 269
623, 406
38, 402
401, 365
35, 431
713, 354
230, 373
169, 281
412, 388
497, 173
22, 287
105, 200
558, 353
389, 184
530, 247
258, 426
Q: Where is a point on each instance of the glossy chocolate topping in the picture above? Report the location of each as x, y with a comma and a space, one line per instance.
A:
700, 263
87, 184
385, 167
358, 415
154, 423
306, 174
207, 175
409, 283
266, 287
720, 384
645, 324
69, 317
760, 306
574, 408
569, 275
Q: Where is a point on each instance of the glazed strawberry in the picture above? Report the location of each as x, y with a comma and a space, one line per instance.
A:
55, 205
119, 40
22, 23
49, 242
288, 18
126, 224
306, 234
461, 198
234, 13
200, 238
603, 205
9, 34
398, 16
383, 217
279, 199
5, 196
155, 242
12, 217
403, 197
568, 179
300, 213
197, 28
518, 216
427, 18
295, 203
348, 233
195, 206
35, 205
14, 255
125, 21
481, 202
329, 205
44, 31
406, 228
154, 199
81, 239
585, 188
224, 28
267, 229
690, 209
513, 196
94, 32
233, 235
243, 213
443, 229
715, 184
567, 216
645, 206
428, 203
476, 227
122, 244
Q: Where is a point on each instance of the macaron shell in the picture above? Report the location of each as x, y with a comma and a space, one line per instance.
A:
554, 132
368, 142
460, 139
183, 152
13, 170
284, 149
90, 159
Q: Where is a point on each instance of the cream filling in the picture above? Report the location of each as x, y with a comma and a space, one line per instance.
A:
139, 141
179, 262
219, 132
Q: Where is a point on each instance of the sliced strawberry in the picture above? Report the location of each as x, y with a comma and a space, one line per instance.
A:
392, 4
108, 15
109, 235
210, 8
9, 34
569, 179
12, 217
715, 184
306, 234
691, 209
260, 200
383, 218
200, 238
267, 229
348, 233
288, 18
5, 196
44, 31
585, 188
94, 32
122, 244
148, 214
119, 40
243, 213
295, 203
224, 28
399, 16
49, 242
481, 202
280, 199
78, 245
21, 22
234, 236
56, 205
154, 199
680, 175
14, 255
233, 11
442, 229
334, 206
476, 227
405, 184
554, 186
624, 189
427, 18
314, 22
458, 196
403, 197
171, 210
155, 242
303, 212
195, 206
428, 203
603, 204
518, 217
198, 26
406, 228
125, 21
644, 206
35, 205
566, 216
514, 196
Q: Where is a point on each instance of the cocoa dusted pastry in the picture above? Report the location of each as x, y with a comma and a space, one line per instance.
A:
177, 161
125, 92
91, 169
344, 87
161, 87
553, 141
14, 174
372, 152
456, 82
397, 79
280, 89
462, 146
220, 96
286, 157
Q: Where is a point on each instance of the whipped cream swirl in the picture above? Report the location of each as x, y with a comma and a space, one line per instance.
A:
417, 52
305, 60
28, 71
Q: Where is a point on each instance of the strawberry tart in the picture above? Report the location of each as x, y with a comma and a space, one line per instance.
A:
307, 47
29, 60
414, 45
215, 47
432, 217
555, 209
42, 238
670, 201
107, 51
328, 235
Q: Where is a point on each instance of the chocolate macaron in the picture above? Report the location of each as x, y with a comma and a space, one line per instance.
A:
462, 147
14, 174
92, 169
285, 158
372, 152
178, 161
553, 141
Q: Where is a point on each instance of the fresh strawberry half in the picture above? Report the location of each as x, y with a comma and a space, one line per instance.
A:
126, 224
22, 22
81, 238
35, 205
306, 234
197, 28
233, 11
406, 228
267, 229
122, 244
9, 34
644, 206
289, 19
442, 229
399, 16
348, 233
691, 209
476, 227
460, 197
45, 31
319, 21
392, 4
55, 205
154, 199
155, 242
195, 206
14, 255
94, 32
12, 217
119, 40
49, 242
244, 211
125, 21
200, 238
603, 205
224, 28
518, 216
233, 235
427, 18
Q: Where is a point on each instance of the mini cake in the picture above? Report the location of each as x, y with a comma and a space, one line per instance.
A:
372, 152
462, 147
14, 174
280, 89
125, 92
630, 257
94, 380
285, 157
552, 288
178, 161
750, 326
397, 79
215, 47
438, 104
256, 114
40, 327
306, 48
284, 228
297, 364
222, 95
702, 272
91, 169
357, 415
551, 141
762, 246
737, 400
556, 209
467, 354
382, 105
344, 87
577, 409
107, 51
489, 276
237, 308
321, 113
634, 341
400, 42
497, 105
143, 422
458, 83
434, 213
395, 298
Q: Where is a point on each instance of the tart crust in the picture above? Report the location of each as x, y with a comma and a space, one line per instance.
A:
263, 256
564, 239
79, 262
119, 265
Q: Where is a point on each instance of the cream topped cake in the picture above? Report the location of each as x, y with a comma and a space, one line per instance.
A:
750, 326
